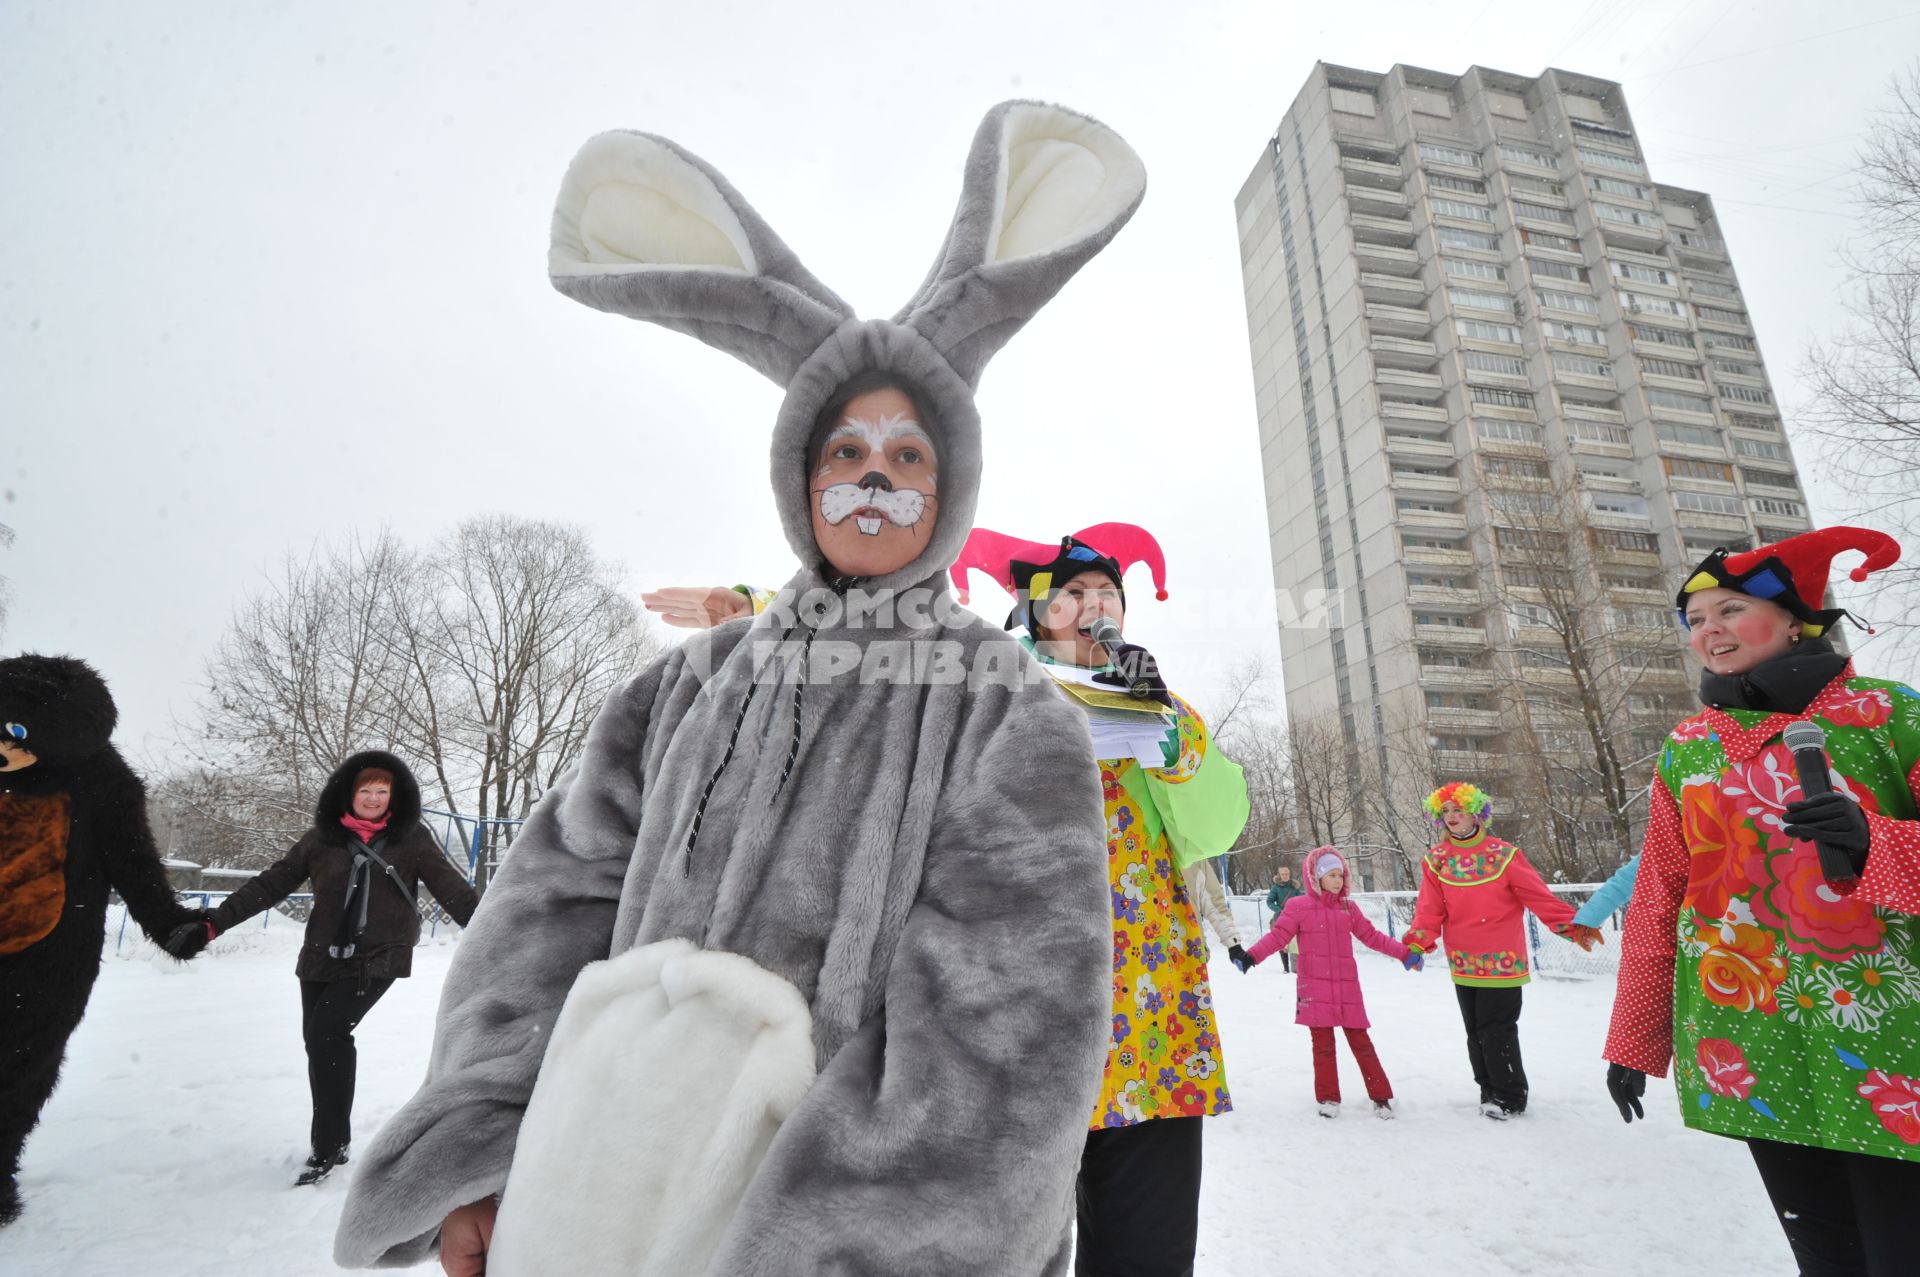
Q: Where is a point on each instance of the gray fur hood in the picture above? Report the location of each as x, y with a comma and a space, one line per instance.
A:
870, 795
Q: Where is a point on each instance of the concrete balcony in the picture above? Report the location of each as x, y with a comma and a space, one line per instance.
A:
1425, 484
1464, 637
1464, 762
1372, 172
1371, 228
1622, 522
1709, 522
1427, 556
1614, 557
1372, 198
1387, 257
1649, 239
1398, 321
1624, 484
1420, 385
1400, 447
1404, 352
1451, 677
1418, 521
1412, 411
1443, 718
1393, 289
1444, 599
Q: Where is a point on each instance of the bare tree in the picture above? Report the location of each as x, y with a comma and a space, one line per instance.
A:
1866, 379
517, 634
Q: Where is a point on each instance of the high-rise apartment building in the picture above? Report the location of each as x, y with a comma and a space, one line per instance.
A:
1508, 392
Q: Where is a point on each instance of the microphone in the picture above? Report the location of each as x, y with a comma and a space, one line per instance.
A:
1107, 634
1809, 747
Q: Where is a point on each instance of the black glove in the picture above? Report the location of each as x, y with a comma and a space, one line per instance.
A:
1834, 819
190, 938
1136, 673
1626, 1086
1238, 956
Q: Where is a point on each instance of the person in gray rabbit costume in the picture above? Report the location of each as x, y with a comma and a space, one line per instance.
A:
804, 968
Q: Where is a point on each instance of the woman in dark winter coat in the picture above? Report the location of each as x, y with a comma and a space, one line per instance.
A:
366, 856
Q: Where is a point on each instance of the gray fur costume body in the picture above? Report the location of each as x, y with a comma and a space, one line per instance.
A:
898, 884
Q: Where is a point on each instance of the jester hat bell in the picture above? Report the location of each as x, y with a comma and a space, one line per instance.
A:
1792, 573
1032, 570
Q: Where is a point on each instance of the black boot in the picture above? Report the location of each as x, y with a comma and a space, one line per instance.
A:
321, 1165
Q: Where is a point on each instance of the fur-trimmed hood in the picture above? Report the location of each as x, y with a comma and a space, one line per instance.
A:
57, 707
1312, 879
336, 798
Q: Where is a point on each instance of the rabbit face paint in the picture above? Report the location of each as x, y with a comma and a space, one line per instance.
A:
874, 487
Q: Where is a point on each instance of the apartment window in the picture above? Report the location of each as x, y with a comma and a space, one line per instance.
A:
1508, 468
1620, 581
1671, 368
1719, 316
1600, 432
1681, 468
1444, 154
1606, 159
1511, 431
1629, 617
1481, 300
1679, 402
1473, 270
1614, 186
1644, 303
1442, 618
1710, 288
1505, 365
1513, 503
1707, 503
1471, 212
1567, 301
1499, 396
1660, 336
1691, 436
1699, 239
1453, 660
1747, 421
1585, 334
1545, 541
1768, 536
1746, 394
1372, 155
1629, 216
1536, 186
1460, 237
1768, 479
1761, 448
1527, 155
1616, 539
1732, 369
1649, 659
1542, 660
1557, 270
1581, 365
1448, 182
1536, 615
1728, 341
1542, 212
1614, 503
1645, 274
1455, 700
1767, 505
1481, 330
1423, 507
1543, 239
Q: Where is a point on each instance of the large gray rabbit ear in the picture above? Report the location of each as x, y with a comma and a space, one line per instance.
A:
1045, 189
646, 229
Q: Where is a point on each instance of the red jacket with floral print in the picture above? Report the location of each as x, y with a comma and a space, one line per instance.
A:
1474, 897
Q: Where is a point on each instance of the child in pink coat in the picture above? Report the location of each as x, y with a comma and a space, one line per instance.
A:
1327, 983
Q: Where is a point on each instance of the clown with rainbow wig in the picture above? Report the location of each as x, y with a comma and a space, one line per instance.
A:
1475, 893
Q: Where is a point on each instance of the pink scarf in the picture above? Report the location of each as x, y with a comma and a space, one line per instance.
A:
365, 828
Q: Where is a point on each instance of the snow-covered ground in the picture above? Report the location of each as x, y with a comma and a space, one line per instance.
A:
171, 1146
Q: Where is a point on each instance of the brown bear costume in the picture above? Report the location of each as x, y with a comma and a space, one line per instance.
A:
73, 824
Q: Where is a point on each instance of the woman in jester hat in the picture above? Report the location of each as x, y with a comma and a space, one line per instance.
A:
1475, 892
801, 969
1139, 1187
1790, 1003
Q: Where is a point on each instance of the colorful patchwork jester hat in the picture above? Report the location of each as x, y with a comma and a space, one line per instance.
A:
1031, 570
1793, 572
1468, 797
647, 229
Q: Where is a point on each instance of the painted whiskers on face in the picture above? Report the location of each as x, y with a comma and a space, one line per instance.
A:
875, 502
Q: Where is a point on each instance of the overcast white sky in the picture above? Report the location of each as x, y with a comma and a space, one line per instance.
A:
271, 273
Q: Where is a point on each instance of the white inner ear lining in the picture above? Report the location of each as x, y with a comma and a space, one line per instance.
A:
628, 202
1063, 178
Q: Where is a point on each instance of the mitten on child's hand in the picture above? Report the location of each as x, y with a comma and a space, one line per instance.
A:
1238, 956
1583, 935
1413, 961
